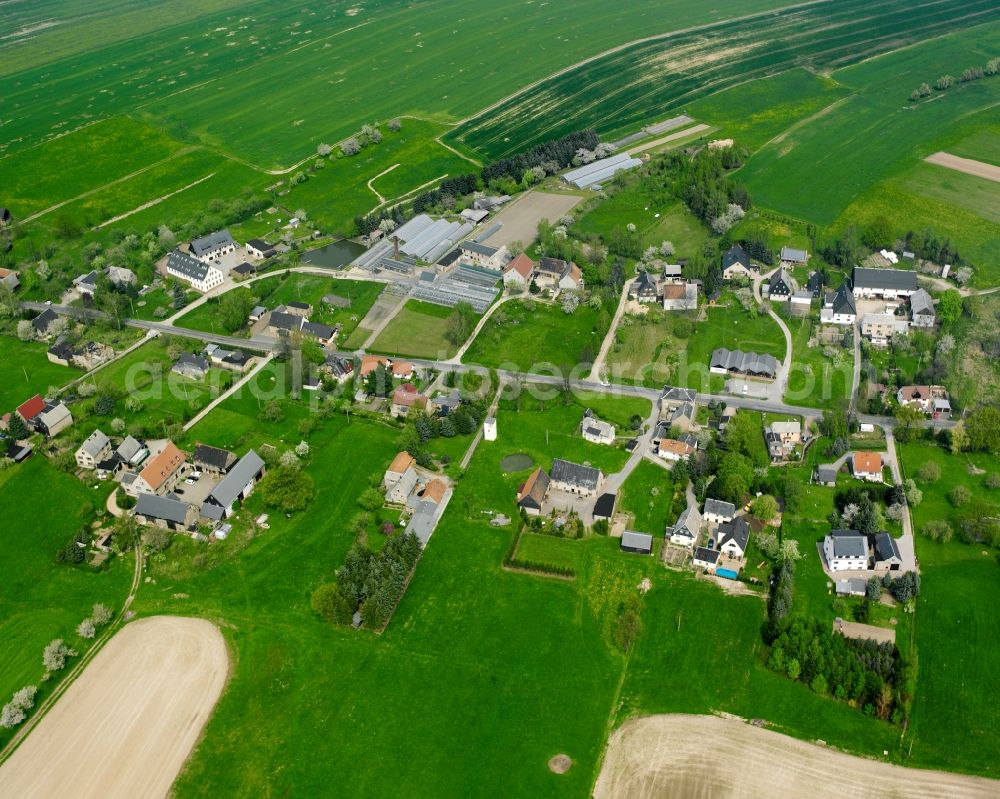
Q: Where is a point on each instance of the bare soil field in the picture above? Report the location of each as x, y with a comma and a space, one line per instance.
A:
706, 756
520, 218
127, 725
966, 165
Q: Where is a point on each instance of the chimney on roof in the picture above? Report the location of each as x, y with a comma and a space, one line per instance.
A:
395, 248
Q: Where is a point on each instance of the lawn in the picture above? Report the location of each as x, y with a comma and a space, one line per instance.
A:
814, 380
657, 77
25, 371
642, 349
40, 599
549, 549
418, 330
649, 494
531, 335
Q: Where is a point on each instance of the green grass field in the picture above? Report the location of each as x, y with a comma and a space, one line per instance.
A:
40, 599
417, 330
835, 170
642, 349
627, 88
956, 634
25, 371
754, 113
814, 381
527, 338
649, 495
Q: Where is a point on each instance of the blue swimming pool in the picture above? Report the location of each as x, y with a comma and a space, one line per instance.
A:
729, 574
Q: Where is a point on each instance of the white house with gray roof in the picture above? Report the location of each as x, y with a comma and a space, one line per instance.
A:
717, 511
922, 312
883, 284
214, 245
201, 275
484, 255
237, 485
686, 529
845, 550
95, 449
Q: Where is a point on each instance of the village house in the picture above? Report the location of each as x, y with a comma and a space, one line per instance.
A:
86, 357
733, 538
235, 360
680, 297
405, 399
9, 279
554, 273
201, 275
337, 368
683, 417
517, 274
922, 311
782, 437
736, 264
867, 466
815, 283
671, 397
932, 400
260, 249
96, 448
168, 512
131, 451
672, 450
845, 550
282, 323
639, 543
839, 307
213, 246
53, 419
531, 495
826, 474
402, 462
883, 284
161, 474
399, 491
212, 462
30, 408
46, 324
120, 276
596, 431
644, 289
445, 404
192, 366
801, 303
782, 286
324, 334
882, 327
400, 370
86, 285
726, 361
485, 256
717, 511
574, 478
235, 487
687, 529
303, 309
242, 271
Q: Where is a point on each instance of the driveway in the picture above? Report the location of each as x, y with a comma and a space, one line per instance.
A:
609, 338
776, 390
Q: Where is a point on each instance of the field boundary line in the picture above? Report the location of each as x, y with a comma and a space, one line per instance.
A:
57, 206
375, 191
402, 197
151, 203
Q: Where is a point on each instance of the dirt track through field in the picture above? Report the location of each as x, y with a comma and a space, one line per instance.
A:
706, 756
966, 165
127, 725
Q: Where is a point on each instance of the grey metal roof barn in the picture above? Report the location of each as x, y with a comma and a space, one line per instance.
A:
187, 266
794, 255
637, 542
166, 508
213, 241
748, 363
574, 474
219, 459
893, 279
585, 176
239, 477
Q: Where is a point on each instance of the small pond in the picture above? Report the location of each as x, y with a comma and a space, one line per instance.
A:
335, 255
517, 462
